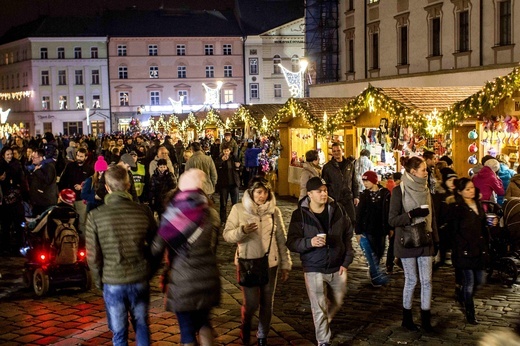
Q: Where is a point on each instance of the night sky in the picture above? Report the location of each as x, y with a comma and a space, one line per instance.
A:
15, 12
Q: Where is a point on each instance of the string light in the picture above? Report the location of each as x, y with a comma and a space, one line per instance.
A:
16, 95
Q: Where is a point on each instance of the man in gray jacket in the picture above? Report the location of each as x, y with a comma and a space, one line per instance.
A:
117, 239
204, 163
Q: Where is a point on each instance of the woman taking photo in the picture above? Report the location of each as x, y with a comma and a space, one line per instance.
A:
251, 224
411, 208
468, 232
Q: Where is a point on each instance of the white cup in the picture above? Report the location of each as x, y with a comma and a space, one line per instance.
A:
424, 206
322, 235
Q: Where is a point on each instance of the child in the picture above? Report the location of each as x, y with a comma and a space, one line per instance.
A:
161, 182
372, 218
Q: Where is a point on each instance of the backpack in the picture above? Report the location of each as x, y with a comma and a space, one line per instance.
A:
66, 241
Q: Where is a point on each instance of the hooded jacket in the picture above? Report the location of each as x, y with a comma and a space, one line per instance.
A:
304, 226
255, 244
309, 171
488, 182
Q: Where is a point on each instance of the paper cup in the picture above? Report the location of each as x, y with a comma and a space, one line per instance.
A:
424, 206
322, 235
490, 218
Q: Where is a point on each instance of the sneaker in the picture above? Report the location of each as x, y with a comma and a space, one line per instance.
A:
379, 280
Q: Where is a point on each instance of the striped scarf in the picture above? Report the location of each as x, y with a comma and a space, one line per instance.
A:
182, 221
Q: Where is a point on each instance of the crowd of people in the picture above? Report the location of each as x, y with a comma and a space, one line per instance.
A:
142, 202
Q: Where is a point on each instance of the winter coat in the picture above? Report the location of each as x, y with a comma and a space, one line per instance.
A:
372, 216
304, 226
343, 185
118, 236
488, 182
233, 146
160, 185
43, 190
228, 173
251, 157
469, 236
88, 194
255, 244
513, 190
398, 219
14, 177
205, 163
74, 174
153, 165
192, 277
309, 171
362, 165
505, 174
440, 206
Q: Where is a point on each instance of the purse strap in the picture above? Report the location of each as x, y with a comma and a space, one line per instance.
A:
270, 240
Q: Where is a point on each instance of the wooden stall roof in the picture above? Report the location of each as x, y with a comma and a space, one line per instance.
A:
317, 106
258, 111
426, 99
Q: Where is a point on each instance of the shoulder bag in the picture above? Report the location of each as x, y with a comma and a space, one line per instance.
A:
254, 272
416, 236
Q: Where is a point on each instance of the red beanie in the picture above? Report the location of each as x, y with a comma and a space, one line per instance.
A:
68, 196
371, 176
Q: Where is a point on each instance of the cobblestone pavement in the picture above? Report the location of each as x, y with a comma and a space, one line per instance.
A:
370, 316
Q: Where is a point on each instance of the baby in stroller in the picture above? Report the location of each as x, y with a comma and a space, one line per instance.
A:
53, 244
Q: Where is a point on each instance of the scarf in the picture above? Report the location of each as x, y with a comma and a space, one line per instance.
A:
182, 221
415, 194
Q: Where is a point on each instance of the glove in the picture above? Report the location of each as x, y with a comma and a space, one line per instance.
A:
419, 212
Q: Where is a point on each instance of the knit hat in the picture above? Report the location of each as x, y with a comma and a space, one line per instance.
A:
448, 173
493, 164
100, 165
371, 176
315, 183
129, 160
446, 159
68, 196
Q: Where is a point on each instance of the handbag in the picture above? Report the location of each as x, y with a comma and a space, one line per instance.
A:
254, 272
415, 236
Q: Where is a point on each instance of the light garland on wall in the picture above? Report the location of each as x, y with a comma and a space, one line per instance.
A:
16, 95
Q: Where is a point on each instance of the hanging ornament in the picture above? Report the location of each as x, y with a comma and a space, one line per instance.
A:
473, 134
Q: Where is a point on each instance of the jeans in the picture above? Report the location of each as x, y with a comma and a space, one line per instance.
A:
378, 245
410, 266
263, 296
190, 322
231, 191
121, 300
472, 278
323, 310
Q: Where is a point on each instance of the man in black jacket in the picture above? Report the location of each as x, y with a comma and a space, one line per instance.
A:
320, 231
43, 190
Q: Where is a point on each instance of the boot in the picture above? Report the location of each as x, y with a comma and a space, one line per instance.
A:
459, 295
245, 334
206, 336
408, 320
470, 311
426, 320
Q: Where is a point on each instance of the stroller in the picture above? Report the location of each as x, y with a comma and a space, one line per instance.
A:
55, 258
503, 259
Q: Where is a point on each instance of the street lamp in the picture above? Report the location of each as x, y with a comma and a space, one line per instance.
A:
87, 111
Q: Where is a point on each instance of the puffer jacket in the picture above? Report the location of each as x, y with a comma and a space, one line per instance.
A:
513, 190
309, 171
192, 276
398, 218
304, 226
343, 184
505, 174
255, 244
488, 182
118, 237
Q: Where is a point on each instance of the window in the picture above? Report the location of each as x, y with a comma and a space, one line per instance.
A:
152, 49
43, 54
95, 76
17, 80
183, 93
6, 61
505, 22
181, 71
62, 77
226, 49
350, 5
208, 49
253, 65
228, 96
154, 72
350, 57
63, 102
77, 52
277, 90
403, 45
78, 74
155, 98
96, 101
253, 90
464, 31
46, 103
295, 63
123, 72
374, 45
61, 53
181, 49
45, 77
228, 71
436, 36
47, 127
210, 71
25, 77
80, 102
276, 64
121, 50
372, 1
123, 98
72, 127
93, 52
